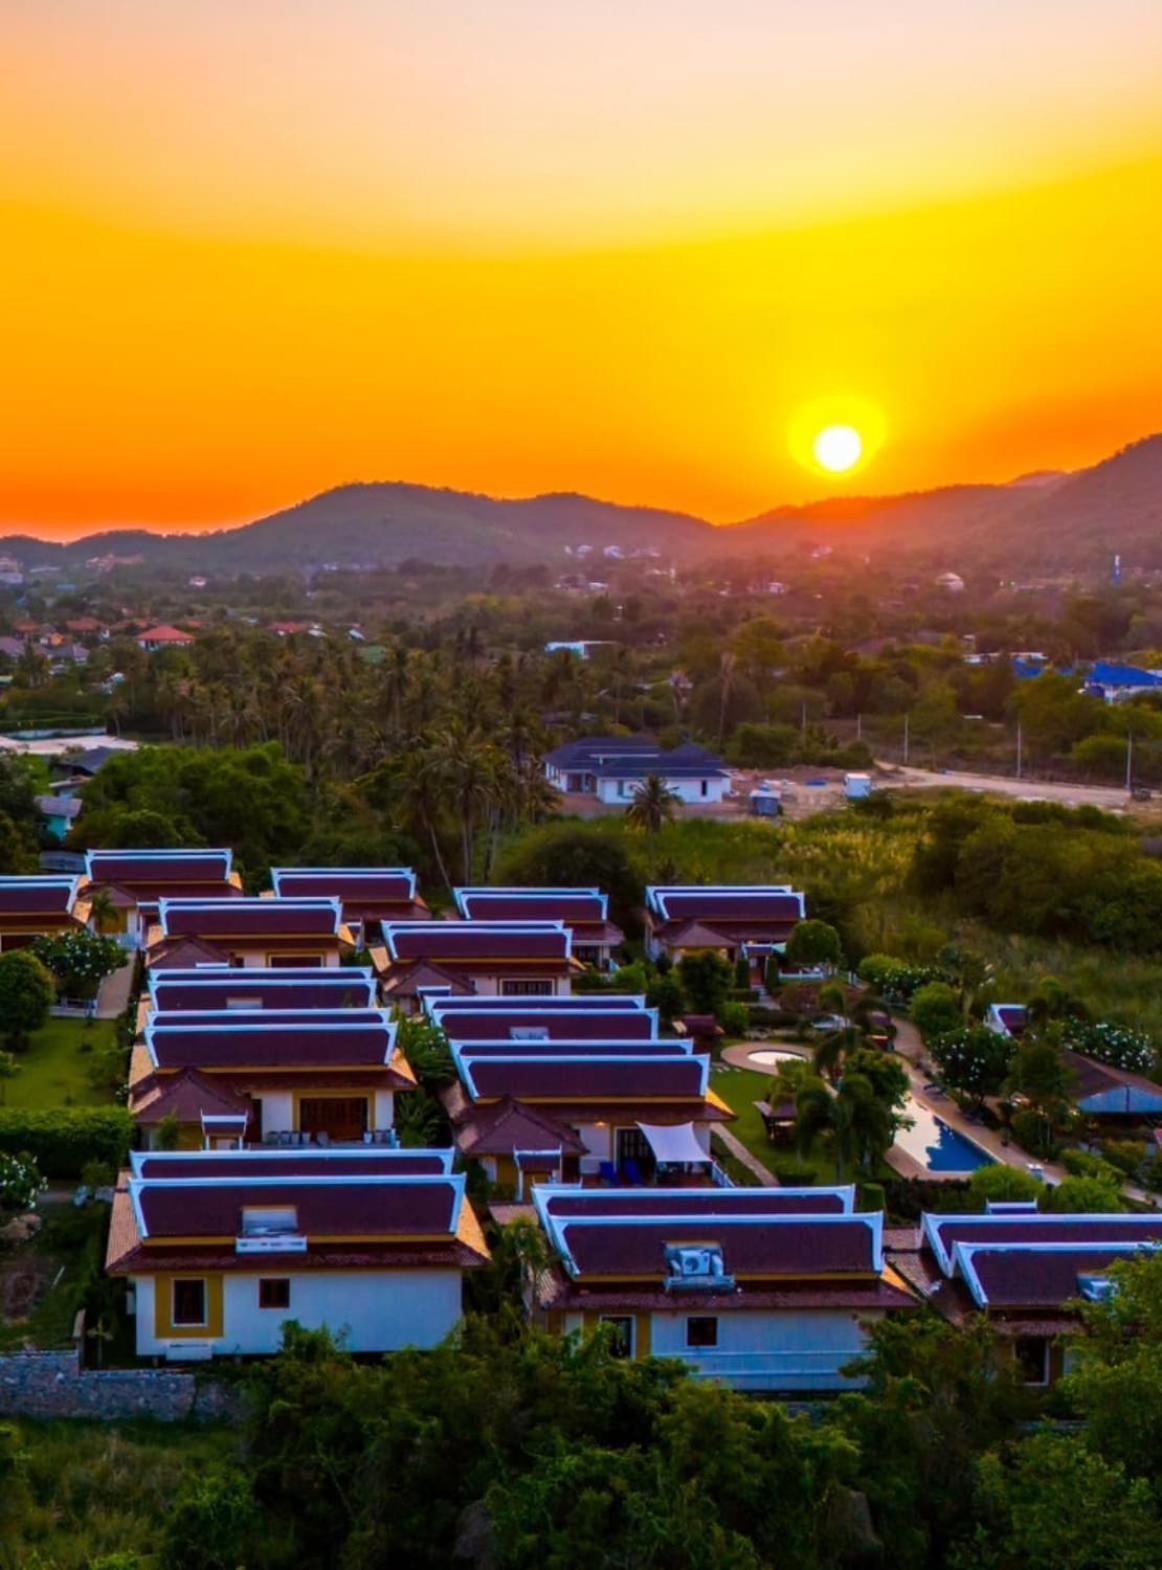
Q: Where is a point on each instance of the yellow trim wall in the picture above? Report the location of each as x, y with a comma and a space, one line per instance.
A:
163, 1326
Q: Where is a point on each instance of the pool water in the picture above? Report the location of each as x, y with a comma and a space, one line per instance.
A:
937, 1147
771, 1057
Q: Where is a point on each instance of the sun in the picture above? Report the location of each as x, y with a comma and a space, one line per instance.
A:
838, 448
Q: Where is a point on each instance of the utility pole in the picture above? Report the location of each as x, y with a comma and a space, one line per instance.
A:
1129, 763
1018, 749
907, 717
859, 727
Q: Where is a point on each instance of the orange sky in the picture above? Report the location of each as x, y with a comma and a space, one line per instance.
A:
627, 247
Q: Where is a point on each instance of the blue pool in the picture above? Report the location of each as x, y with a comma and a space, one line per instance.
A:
937, 1147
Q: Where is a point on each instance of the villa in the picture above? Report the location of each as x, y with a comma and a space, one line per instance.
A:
613, 768
32, 908
211, 988
369, 896
508, 959
763, 1289
232, 1078
621, 1110
134, 883
584, 911
1023, 1270
248, 933
220, 1251
734, 920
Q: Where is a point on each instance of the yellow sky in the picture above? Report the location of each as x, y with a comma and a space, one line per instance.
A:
626, 247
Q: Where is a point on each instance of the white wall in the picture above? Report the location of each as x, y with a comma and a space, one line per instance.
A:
278, 1111
383, 1109
761, 1349
374, 1311
620, 792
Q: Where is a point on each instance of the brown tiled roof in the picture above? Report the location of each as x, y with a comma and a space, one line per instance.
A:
1079, 1229
715, 905
319, 989
186, 1097
511, 1126
34, 897
411, 978
252, 919
365, 1042
623, 1024
478, 943
825, 1247
557, 1291
366, 1162
1037, 1278
1095, 1079
182, 954
138, 872
696, 1202
590, 1078
347, 1208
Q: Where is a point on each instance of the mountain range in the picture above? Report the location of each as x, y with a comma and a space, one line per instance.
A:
1048, 522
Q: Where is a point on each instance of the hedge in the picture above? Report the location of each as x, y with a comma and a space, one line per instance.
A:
62, 1141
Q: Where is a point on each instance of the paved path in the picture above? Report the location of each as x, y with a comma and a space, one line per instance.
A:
752, 1163
113, 994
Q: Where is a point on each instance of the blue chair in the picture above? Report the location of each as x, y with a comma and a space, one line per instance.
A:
608, 1172
633, 1173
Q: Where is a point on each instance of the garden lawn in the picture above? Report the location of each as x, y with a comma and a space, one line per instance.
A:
54, 1072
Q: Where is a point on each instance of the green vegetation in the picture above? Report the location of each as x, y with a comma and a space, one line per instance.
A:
63, 1140
61, 1066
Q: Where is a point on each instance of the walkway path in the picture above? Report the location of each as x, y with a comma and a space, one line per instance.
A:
740, 1153
113, 994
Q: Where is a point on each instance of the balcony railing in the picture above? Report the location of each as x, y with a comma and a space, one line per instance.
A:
797, 1368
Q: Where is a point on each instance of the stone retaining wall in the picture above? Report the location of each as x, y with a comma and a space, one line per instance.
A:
53, 1384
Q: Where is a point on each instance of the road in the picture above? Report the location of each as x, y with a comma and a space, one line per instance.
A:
1112, 798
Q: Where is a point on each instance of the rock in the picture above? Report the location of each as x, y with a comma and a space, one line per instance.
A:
19, 1229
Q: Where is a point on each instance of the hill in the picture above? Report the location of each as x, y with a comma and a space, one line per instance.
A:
1046, 522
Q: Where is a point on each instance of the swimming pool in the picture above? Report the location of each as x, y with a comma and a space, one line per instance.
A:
771, 1057
937, 1147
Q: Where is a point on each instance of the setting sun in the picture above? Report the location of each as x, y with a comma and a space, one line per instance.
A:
838, 448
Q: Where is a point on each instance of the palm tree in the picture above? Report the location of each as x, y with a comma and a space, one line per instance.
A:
103, 912
652, 805
860, 1124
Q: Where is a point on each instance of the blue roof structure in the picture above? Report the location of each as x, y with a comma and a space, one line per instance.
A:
633, 757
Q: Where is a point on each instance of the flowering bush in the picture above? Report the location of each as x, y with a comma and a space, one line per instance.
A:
1117, 1045
973, 1059
894, 979
80, 960
20, 1182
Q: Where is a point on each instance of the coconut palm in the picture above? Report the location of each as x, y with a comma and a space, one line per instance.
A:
860, 1125
652, 806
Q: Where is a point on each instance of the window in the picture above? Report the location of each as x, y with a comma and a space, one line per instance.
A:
1032, 1354
189, 1302
622, 1327
705, 787
702, 1331
526, 989
274, 1292
342, 1118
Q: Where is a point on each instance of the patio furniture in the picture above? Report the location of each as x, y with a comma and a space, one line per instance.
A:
608, 1172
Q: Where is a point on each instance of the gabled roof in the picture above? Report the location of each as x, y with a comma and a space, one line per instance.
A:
215, 988
164, 634
189, 1096
511, 1126
633, 757
762, 1234
32, 899
942, 1233
753, 904
477, 942
359, 889
577, 1003
419, 977
461, 1021
141, 869
233, 1041
1012, 1276
577, 1047
528, 1073
1101, 1088
249, 919
184, 954
335, 1209
585, 907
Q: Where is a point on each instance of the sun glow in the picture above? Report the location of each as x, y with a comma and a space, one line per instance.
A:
838, 448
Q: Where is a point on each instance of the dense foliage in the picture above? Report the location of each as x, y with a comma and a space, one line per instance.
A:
62, 1141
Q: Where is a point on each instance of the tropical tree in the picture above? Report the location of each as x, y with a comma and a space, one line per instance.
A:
813, 944
26, 995
9, 1068
858, 1123
652, 806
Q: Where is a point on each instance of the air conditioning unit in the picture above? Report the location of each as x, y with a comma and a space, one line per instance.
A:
1097, 1289
694, 1266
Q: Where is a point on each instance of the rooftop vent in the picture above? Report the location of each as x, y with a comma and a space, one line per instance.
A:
696, 1267
1096, 1289
1012, 1207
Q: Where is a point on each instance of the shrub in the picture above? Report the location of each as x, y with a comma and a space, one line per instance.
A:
734, 1018
1082, 1163
63, 1140
813, 943
936, 1010
1000, 1183
705, 978
26, 995
1033, 1132
870, 1196
793, 1173
973, 1059
894, 979
1127, 1155
1117, 1045
1082, 1194
20, 1182
80, 960
665, 994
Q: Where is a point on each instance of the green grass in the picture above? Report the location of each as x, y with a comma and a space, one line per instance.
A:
67, 1253
85, 1490
55, 1071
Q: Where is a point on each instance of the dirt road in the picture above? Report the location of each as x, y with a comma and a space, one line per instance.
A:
1110, 798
